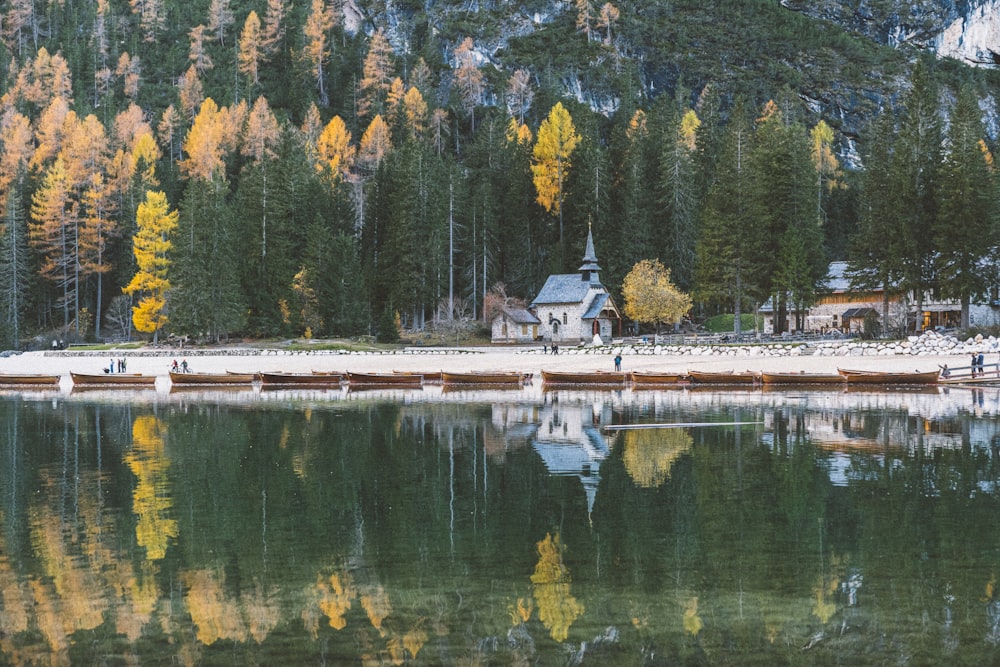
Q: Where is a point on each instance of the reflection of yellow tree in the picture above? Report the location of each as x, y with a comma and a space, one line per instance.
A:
375, 602
335, 595
557, 608
822, 608
150, 501
692, 621
650, 454
213, 614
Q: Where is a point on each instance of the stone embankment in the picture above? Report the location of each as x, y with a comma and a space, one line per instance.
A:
929, 343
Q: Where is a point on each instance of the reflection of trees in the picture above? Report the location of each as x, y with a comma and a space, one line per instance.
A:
150, 499
649, 454
557, 608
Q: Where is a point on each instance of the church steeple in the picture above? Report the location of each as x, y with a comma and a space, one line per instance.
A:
590, 271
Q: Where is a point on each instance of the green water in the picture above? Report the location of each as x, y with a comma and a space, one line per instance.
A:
500, 528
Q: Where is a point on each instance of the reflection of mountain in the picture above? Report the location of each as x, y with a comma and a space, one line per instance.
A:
570, 443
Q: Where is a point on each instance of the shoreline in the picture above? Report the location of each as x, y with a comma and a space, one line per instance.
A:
525, 359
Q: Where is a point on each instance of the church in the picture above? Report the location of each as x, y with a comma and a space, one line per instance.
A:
575, 308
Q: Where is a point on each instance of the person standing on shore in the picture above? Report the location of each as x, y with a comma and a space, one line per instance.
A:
618, 362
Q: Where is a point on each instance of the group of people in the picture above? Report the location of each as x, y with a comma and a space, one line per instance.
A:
182, 368
120, 364
978, 365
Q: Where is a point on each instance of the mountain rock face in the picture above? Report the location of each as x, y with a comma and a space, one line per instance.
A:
967, 30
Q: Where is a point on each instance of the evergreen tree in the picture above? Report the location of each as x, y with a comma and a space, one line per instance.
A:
678, 195
206, 298
967, 231
728, 272
916, 178
875, 255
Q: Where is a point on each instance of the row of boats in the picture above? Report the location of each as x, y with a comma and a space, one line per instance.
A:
405, 379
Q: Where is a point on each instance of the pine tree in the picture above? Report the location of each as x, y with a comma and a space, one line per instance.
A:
727, 272
555, 143
151, 245
967, 230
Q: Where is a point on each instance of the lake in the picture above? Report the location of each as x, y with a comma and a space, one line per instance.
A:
517, 527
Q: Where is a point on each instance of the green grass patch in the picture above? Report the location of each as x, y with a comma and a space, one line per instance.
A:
724, 323
134, 345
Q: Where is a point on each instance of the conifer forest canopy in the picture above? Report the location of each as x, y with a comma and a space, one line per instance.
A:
263, 168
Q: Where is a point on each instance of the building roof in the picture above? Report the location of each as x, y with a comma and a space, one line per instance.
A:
521, 316
854, 313
563, 288
596, 305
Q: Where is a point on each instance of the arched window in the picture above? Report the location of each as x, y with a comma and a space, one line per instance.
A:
565, 319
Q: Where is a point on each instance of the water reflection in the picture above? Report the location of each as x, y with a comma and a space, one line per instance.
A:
504, 527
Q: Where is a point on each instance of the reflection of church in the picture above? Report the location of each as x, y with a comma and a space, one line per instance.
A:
570, 442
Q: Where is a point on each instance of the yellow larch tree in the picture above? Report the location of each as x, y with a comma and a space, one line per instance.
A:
334, 149
190, 91
155, 222
152, 17
651, 297
415, 112
220, 17
376, 143
53, 233
316, 50
550, 163
204, 144
274, 27
260, 144
50, 130
197, 54
471, 82
250, 49
376, 76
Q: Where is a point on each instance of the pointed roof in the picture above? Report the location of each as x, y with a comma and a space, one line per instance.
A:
589, 256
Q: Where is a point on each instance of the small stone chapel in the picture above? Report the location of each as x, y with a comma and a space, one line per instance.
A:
575, 308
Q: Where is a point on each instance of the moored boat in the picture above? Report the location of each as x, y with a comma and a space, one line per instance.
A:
384, 380
653, 378
211, 378
28, 379
603, 378
801, 378
130, 379
311, 379
482, 377
430, 377
723, 377
881, 377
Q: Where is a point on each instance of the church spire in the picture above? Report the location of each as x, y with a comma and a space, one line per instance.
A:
589, 271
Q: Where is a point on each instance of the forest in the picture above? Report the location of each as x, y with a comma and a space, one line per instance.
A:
265, 168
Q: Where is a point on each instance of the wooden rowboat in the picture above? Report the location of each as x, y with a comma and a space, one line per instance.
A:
430, 377
481, 378
879, 377
311, 379
28, 379
211, 378
604, 378
384, 380
111, 379
723, 377
801, 378
652, 378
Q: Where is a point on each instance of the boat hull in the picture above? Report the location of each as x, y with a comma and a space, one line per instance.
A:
703, 377
297, 379
384, 380
598, 378
481, 378
878, 377
210, 378
641, 379
802, 378
29, 379
113, 379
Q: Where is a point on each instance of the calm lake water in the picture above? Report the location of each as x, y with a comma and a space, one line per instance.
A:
500, 528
